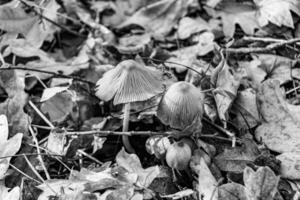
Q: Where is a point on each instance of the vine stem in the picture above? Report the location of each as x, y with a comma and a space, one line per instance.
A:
125, 138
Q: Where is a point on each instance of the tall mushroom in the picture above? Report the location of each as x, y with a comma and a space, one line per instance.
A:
129, 82
181, 106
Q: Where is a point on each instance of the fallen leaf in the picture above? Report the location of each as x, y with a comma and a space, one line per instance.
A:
14, 19
207, 184
8, 147
132, 164
57, 142
236, 159
50, 92
234, 13
261, 184
276, 67
290, 165
13, 194
277, 12
59, 106
188, 26
13, 107
226, 83
184, 57
245, 109
205, 43
159, 17
232, 191
280, 127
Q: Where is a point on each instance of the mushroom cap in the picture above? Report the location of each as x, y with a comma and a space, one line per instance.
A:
129, 82
180, 105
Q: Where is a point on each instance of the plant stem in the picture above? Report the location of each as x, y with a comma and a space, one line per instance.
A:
125, 138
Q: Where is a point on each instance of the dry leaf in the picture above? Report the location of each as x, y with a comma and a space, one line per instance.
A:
261, 184
188, 26
232, 14
207, 185
132, 164
159, 17
281, 126
227, 83
232, 191
245, 109
290, 165
277, 12
59, 106
236, 159
13, 107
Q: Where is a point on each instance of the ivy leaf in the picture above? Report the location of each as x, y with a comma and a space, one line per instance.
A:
233, 14
261, 184
277, 12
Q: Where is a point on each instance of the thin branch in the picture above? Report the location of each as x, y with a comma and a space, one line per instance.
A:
162, 61
90, 157
48, 72
148, 133
268, 48
107, 133
39, 152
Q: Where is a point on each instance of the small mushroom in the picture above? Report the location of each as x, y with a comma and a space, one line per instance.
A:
129, 82
181, 106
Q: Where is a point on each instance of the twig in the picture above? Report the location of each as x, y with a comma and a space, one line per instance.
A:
128, 133
38, 175
90, 157
29, 154
41, 115
48, 72
134, 133
54, 156
33, 169
269, 47
261, 39
161, 61
39, 152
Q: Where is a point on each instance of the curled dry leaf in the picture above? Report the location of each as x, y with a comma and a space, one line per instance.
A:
227, 83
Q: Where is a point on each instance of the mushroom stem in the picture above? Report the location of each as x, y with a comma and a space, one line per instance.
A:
125, 138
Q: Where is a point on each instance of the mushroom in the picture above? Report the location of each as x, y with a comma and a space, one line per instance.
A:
181, 107
129, 82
